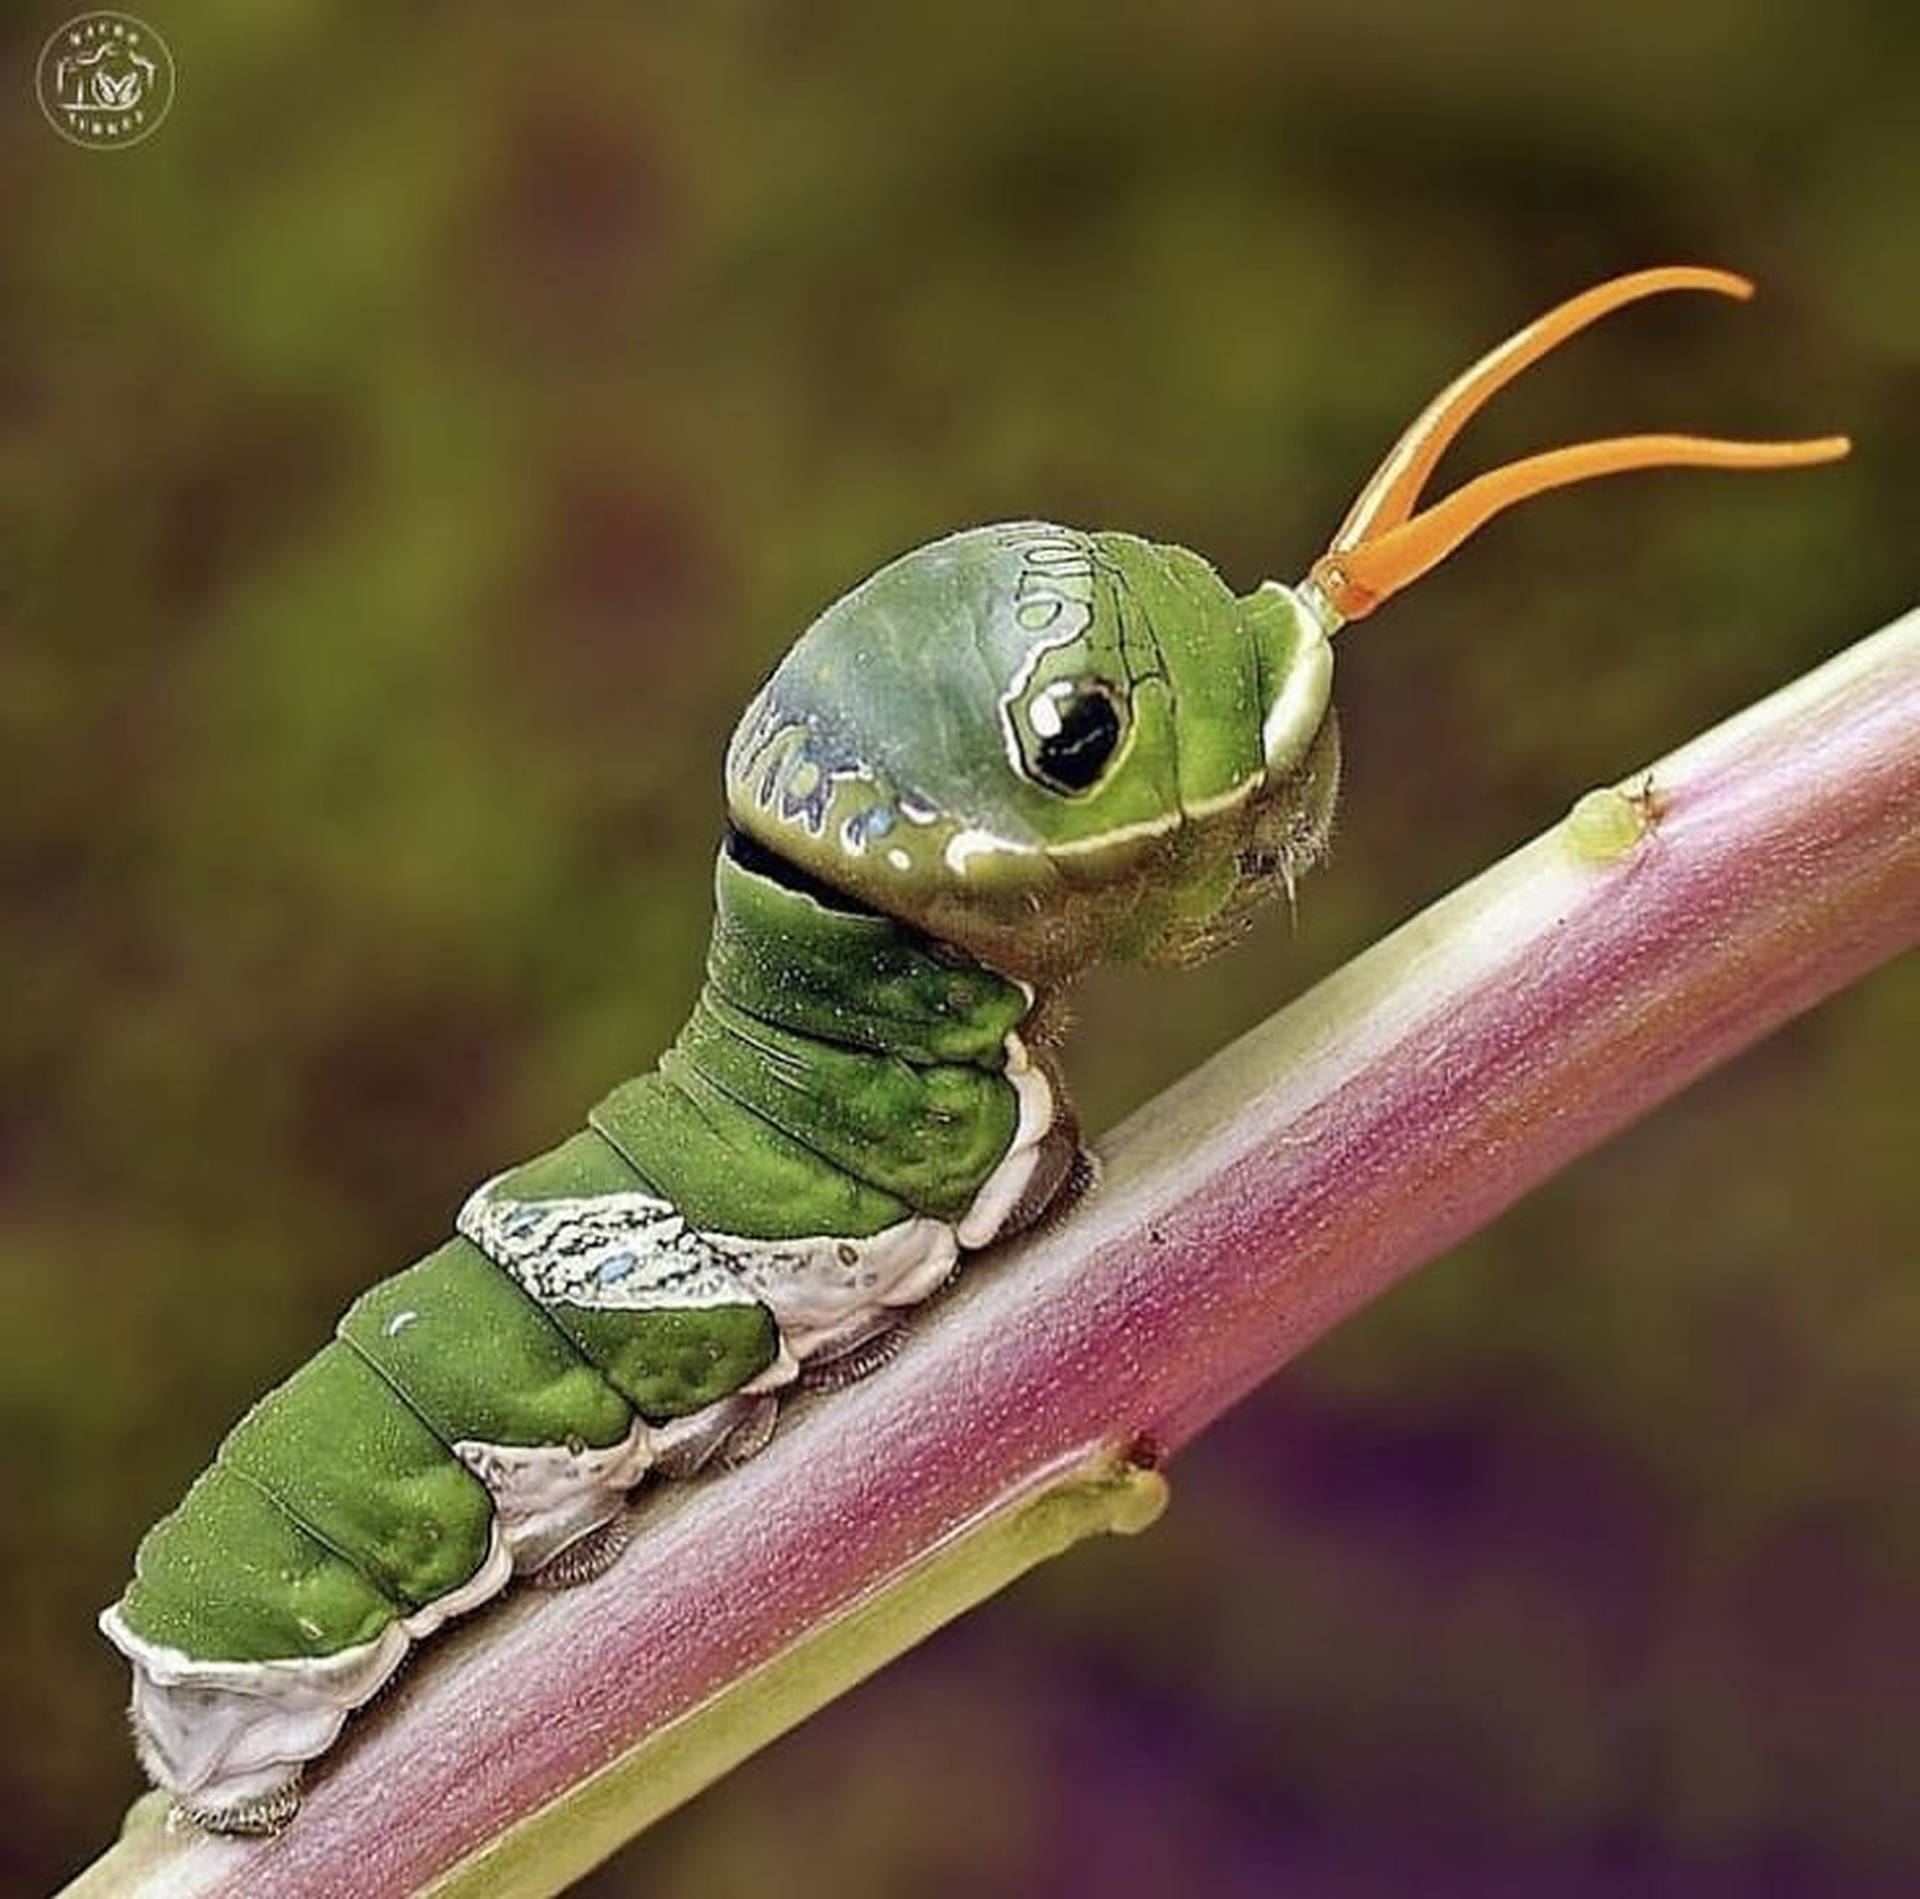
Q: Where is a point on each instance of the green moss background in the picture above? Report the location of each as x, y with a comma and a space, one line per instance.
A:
414, 454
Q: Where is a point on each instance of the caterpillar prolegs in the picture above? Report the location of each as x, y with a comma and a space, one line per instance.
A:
1009, 755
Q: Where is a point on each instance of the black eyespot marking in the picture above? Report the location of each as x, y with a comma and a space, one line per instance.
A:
1077, 726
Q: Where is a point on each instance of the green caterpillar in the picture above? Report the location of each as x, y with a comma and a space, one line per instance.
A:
1004, 757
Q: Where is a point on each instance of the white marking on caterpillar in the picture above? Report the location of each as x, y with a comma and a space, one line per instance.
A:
964, 846
1225, 800
614, 1252
546, 1497
815, 1288
221, 1735
1146, 827
1000, 1192
813, 1285
1294, 719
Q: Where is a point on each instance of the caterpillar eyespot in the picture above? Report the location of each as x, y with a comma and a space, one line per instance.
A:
1077, 726
1004, 757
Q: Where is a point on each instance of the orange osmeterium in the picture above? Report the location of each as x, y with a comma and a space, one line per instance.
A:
1383, 545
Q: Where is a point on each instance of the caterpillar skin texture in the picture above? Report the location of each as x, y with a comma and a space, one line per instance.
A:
1008, 755
1005, 755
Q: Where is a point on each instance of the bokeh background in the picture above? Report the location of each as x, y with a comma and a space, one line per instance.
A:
413, 456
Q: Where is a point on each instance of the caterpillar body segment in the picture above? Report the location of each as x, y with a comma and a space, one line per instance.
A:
631, 1302
1008, 755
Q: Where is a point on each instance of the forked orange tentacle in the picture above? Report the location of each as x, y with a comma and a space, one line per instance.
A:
1389, 497
1382, 546
1357, 580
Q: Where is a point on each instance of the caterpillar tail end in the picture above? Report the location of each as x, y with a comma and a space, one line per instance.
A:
230, 1740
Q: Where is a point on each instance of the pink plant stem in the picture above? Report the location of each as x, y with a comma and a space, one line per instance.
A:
1297, 1175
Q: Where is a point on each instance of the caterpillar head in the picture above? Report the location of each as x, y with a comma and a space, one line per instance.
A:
1047, 746
1052, 747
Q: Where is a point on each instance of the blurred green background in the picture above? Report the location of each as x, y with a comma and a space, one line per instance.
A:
414, 455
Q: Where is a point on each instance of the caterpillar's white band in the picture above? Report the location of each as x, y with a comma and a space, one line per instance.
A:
546, 1497
222, 1735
